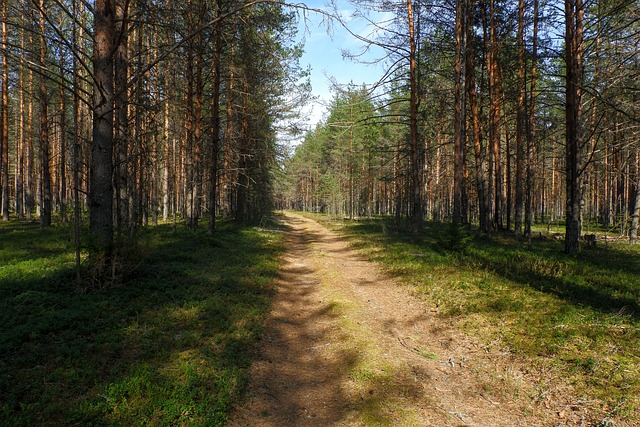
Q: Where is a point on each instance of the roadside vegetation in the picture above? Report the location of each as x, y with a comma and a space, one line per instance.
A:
572, 320
169, 345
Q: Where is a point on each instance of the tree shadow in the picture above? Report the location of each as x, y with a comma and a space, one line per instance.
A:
170, 346
606, 279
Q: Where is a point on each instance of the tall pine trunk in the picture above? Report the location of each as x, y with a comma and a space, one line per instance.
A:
121, 123
215, 125
45, 152
495, 119
478, 148
101, 189
4, 117
574, 51
416, 182
531, 130
521, 124
459, 131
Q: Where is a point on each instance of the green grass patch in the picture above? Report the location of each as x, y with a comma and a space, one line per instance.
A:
578, 316
169, 346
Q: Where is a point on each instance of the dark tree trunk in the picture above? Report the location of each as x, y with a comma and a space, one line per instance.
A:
459, 132
62, 188
215, 129
574, 56
4, 118
495, 119
478, 148
121, 124
416, 182
101, 189
521, 123
531, 130
45, 154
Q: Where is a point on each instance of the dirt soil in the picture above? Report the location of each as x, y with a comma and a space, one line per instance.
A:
346, 346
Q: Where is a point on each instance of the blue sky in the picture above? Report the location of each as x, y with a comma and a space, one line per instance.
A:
323, 53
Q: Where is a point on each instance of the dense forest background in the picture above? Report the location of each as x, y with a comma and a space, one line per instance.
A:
495, 113
524, 113
134, 111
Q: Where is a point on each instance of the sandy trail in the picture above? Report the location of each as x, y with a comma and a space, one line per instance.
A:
345, 346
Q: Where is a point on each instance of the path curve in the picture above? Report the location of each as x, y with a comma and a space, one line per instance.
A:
345, 346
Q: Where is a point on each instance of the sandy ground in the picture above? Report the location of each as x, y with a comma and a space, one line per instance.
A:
346, 346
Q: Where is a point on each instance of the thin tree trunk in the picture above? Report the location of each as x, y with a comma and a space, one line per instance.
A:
198, 133
531, 129
4, 117
77, 161
189, 163
62, 190
478, 148
135, 169
30, 196
635, 213
633, 232
495, 118
459, 140
20, 144
416, 185
241, 208
45, 167
121, 119
229, 178
166, 164
215, 125
521, 124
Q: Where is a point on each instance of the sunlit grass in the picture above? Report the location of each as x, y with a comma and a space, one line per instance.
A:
169, 346
577, 317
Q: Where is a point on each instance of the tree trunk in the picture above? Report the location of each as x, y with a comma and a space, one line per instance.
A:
45, 154
241, 208
101, 189
495, 119
20, 144
121, 119
229, 177
635, 215
458, 121
531, 130
4, 117
215, 125
416, 184
62, 190
521, 124
478, 148
166, 164
30, 193
574, 51
77, 161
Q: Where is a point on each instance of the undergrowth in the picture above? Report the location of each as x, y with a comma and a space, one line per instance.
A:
575, 316
170, 345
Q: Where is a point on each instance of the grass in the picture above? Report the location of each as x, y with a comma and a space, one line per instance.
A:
169, 346
576, 318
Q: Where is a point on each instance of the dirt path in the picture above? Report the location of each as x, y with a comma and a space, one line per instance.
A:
345, 346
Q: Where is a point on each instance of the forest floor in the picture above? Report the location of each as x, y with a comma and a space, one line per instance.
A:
346, 346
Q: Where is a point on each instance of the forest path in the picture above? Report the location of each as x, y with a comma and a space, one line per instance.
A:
345, 346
